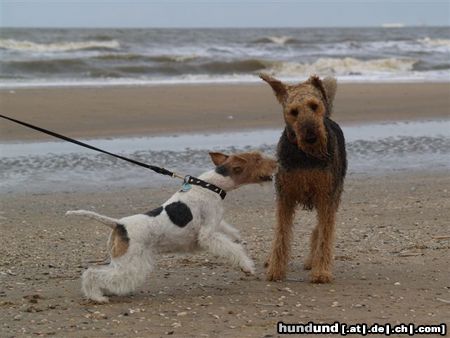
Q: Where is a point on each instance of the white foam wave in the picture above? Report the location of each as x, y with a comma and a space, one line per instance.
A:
28, 46
344, 66
182, 58
411, 77
435, 42
279, 40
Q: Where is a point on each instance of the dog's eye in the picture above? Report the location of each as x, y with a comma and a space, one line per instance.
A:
313, 106
294, 112
237, 170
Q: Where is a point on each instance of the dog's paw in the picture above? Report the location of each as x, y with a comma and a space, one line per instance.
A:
236, 235
321, 278
99, 299
275, 275
248, 267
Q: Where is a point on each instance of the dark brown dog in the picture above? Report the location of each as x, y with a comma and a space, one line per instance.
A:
312, 167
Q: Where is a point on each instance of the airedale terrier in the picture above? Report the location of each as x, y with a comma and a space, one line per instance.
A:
312, 166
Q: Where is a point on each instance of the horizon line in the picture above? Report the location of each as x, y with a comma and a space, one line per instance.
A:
224, 27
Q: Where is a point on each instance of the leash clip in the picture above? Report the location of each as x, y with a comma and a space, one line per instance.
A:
186, 185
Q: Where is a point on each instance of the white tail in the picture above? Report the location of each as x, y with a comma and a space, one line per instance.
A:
111, 222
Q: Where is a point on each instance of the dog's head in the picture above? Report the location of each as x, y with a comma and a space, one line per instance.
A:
305, 106
244, 168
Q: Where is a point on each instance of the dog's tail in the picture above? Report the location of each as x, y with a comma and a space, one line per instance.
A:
111, 222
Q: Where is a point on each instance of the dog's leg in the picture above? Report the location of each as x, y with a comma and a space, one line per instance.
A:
322, 258
279, 258
121, 277
312, 249
220, 245
94, 282
229, 230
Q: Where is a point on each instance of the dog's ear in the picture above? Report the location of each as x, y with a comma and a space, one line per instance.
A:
218, 158
236, 159
279, 88
317, 82
328, 89
330, 85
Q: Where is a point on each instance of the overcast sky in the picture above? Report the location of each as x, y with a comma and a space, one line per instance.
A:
244, 13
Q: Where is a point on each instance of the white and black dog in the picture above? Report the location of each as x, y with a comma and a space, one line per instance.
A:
188, 220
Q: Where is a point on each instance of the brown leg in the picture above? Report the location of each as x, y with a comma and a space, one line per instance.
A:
312, 250
281, 245
322, 258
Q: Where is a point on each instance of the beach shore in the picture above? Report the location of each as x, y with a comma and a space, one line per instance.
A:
392, 240
126, 111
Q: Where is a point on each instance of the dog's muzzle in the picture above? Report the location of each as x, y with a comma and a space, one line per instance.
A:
310, 137
265, 178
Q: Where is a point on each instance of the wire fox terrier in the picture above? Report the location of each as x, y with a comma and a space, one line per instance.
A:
188, 220
312, 167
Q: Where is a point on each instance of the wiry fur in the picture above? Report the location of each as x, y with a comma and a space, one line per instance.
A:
135, 240
312, 167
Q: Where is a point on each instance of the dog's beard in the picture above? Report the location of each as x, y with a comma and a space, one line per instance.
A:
317, 150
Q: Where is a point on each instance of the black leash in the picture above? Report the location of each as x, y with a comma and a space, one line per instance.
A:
187, 179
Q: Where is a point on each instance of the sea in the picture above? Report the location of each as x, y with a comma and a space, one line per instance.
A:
104, 57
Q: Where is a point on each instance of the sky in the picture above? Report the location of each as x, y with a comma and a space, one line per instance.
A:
244, 13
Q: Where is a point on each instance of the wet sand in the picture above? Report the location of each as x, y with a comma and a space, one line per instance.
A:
372, 149
125, 111
393, 230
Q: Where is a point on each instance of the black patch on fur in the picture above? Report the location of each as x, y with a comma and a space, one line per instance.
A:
291, 158
179, 213
122, 232
154, 212
340, 168
222, 170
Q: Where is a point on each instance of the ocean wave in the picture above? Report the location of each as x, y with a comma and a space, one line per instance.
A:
140, 57
119, 57
278, 40
89, 67
101, 81
166, 66
173, 58
43, 66
185, 69
428, 66
371, 49
344, 66
237, 66
28, 46
435, 42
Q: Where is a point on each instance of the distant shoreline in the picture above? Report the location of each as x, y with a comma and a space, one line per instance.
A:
132, 83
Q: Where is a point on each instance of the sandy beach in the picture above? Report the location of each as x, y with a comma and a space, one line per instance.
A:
392, 241
125, 111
